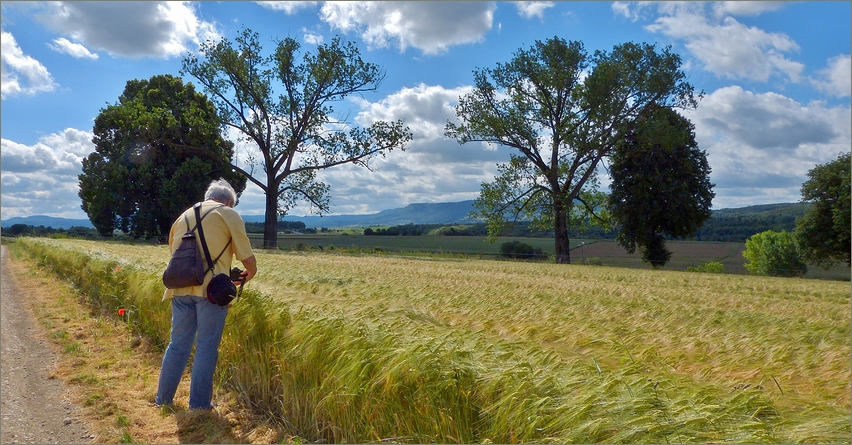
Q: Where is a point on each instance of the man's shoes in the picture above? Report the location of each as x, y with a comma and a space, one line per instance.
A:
204, 408
154, 404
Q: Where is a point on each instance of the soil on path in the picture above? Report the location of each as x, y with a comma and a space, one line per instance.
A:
34, 408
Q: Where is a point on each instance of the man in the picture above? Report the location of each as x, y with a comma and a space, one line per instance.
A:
194, 318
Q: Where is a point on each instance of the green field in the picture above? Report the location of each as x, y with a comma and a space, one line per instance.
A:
606, 252
367, 348
464, 245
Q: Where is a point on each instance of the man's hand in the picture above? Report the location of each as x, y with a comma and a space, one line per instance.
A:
250, 264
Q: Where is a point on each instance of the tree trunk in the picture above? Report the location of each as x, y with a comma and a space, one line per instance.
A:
560, 229
270, 221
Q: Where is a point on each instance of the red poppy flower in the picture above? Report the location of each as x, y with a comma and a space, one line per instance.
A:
121, 312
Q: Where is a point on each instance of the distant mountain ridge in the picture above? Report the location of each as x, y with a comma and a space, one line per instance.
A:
47, 221
418, 213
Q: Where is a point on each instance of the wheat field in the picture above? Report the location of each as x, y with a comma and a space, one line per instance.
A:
455, 350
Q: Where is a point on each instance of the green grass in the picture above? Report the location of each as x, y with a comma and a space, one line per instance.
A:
365, 348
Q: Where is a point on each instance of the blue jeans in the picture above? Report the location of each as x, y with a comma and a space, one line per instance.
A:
194, 320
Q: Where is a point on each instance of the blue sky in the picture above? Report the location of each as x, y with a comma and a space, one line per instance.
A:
776, 78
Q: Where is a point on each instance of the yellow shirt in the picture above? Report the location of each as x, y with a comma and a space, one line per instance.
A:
220, 225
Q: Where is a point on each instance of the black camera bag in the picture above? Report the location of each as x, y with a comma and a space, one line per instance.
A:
221, 290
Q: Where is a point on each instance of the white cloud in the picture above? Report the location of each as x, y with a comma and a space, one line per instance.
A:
432, 169
290, 7
44, 175
749, 8
432, 27
132, 29
312, 38
21, 74
424, 108
60, 153
728, 48
836, 78
71, 140
630, 10
761, 145
532, 9
77, 50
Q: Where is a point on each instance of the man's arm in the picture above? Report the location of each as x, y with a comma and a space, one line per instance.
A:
250, 264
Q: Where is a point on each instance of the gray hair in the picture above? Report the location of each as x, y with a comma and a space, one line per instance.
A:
221, 191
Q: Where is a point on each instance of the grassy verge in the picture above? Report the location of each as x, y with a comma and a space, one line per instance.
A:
111, 367
407, 350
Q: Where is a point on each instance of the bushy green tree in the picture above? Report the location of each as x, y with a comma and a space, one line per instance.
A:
562, 112
156, 151
824, 230
775, 254
660, 184
523, 251
295, 127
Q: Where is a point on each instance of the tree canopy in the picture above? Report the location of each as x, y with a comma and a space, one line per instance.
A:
295, 128
562, 112
824, 230
775, 254
660, 184
136, 180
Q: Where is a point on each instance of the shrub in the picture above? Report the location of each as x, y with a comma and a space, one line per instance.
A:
711, 267
519, 250
775, 254
593, 261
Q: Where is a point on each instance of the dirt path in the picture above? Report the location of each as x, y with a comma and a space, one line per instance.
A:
34, 408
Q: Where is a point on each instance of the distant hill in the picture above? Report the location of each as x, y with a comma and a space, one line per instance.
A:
48, 221
725, 225
420, 213
765, 210
737, 225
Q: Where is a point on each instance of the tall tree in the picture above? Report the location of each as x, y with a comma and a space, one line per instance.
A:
135, 181
296, 129
563, 119
660, 184
824, 230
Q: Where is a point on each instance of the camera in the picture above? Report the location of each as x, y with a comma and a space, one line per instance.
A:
236, 274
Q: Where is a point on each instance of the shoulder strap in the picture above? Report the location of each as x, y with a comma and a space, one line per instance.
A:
210, 262
197, 209
197, 218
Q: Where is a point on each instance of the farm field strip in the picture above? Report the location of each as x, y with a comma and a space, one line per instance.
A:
469, 245
789, 337
473, 245
685, 254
